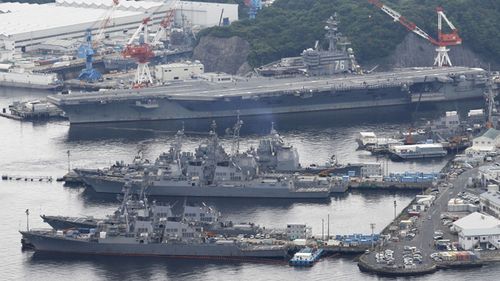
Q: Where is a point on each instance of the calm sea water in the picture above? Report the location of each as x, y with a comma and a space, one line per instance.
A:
40, 149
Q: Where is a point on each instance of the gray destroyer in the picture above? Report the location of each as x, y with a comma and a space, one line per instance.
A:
139, 230
333, 81
211, 172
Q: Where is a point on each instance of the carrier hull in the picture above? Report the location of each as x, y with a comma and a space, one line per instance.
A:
257, 96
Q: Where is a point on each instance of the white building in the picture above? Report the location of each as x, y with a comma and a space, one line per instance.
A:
459, 205
478, 230
489, 202
27, 25
486, 143
489, 174
178, 71
216, 77
298, 231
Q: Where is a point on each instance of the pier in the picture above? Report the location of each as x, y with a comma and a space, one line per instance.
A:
392, 259
27, 178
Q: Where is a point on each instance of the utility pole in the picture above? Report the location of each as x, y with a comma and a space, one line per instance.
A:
322, 229
328, 228
395, 205
69, 161
27, 219
372, 226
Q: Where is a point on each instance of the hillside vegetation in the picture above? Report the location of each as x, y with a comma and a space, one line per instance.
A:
290, 26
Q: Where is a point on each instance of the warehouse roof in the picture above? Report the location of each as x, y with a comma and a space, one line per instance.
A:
481, 232
477, 221
22, 18
491, 134
491, 196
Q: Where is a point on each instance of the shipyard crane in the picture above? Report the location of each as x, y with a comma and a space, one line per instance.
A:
166, 23
87, 49
106, 19
444, 39
143, 51
89, 73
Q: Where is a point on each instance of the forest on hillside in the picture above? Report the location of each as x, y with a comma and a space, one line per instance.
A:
290, 26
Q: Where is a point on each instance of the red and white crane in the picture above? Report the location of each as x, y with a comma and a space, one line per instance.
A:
444, 39
165, 24
142, 51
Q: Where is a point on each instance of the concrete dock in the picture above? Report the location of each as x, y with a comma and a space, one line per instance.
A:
422, 243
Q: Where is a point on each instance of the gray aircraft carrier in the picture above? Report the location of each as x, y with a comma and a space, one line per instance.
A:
333, 81
257, 96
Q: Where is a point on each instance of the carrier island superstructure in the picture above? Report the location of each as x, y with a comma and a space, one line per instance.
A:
333, 82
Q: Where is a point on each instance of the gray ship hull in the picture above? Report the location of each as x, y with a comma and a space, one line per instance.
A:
54, 244
115, 186
197, 99
31, 86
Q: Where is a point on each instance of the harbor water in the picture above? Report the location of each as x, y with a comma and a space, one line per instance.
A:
40, 149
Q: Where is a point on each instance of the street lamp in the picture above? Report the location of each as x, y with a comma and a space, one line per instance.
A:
372, 226
395, 205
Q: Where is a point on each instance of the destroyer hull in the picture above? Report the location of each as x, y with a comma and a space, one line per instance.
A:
419, 156
30, 86
115, 186
63, 245
192, 100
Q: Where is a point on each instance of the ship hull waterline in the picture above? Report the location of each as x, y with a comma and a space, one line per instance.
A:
62, 245
116, 187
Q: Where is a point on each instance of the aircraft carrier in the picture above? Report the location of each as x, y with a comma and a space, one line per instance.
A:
333, 81
260, 96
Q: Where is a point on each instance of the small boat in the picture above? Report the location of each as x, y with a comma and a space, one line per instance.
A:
306, 257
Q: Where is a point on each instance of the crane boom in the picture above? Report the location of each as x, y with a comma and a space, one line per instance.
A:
447, 39
397, 17
165, 23
105, 21
444, 39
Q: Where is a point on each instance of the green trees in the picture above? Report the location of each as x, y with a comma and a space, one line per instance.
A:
290, 26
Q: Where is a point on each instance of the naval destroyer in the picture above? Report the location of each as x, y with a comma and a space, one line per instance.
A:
333, 81
137, 229
211, 172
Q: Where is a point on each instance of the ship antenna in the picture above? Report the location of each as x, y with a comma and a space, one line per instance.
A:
235, 149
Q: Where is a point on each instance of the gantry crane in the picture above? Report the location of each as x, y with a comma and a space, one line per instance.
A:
444, 39
87, 49
143, 51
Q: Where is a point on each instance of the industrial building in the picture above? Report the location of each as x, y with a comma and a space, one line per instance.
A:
298, 231
25, 25
486, 143
178, 71
478, 231
490, 202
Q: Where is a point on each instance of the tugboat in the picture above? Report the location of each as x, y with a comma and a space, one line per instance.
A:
306, 257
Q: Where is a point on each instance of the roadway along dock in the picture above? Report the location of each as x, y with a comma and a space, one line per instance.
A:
387, 260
